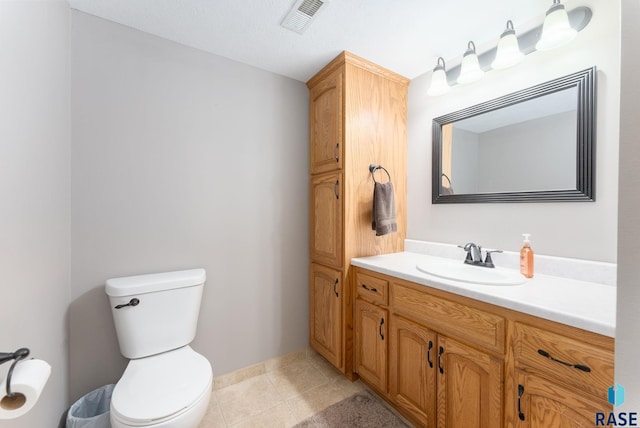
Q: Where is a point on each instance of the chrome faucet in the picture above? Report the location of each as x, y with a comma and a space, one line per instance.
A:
474, 251
474, 255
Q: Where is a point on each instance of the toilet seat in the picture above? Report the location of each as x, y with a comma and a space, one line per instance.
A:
161, 387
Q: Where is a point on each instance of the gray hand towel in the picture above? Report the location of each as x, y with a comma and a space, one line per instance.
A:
384, 209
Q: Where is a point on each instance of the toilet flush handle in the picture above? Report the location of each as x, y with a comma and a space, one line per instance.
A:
132, 302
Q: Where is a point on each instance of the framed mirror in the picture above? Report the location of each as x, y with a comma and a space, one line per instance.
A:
534, 145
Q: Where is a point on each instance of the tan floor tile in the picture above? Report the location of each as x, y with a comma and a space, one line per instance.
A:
279, 416
321, 397
329, 371
247, 398
213, 418
296, 378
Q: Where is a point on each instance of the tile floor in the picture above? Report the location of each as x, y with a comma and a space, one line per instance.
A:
277, 393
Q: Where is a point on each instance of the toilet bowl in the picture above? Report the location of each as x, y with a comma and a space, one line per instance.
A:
167, 390
166, 383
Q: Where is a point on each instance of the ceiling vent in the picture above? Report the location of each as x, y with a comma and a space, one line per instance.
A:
301, 14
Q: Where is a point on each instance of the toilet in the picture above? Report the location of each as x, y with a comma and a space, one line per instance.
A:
166, 383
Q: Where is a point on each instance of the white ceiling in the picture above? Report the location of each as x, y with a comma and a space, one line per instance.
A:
405, 36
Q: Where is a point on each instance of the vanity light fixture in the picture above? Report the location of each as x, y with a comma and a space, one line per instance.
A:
470, 68
439, 84
508, 51
556, 30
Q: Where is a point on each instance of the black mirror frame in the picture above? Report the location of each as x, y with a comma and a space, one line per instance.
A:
585, 82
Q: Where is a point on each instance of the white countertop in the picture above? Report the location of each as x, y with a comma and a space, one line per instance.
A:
586, 305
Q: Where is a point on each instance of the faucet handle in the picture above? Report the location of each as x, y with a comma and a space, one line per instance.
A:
467, 248
488, 262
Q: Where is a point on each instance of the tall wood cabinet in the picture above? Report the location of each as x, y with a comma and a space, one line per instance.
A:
358, 117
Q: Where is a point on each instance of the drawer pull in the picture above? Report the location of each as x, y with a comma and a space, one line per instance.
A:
429, 354
520, 393
373, 289
576, 366
335, 284
380, 328
335, 152
440, 352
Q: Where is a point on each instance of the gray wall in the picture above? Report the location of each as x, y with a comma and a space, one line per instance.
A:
183, 159
518, 151
579, 230
628, 316
34, 190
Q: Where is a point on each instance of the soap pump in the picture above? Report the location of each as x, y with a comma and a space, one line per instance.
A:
526, 257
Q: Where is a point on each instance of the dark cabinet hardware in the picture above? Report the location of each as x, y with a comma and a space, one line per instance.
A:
336, 152
373, 289
440, 352
429, 354
575, 366
520, 393
335, 189
380, 328
335, 285
132, 302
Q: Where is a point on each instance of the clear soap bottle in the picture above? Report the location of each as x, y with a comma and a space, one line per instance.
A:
526, 257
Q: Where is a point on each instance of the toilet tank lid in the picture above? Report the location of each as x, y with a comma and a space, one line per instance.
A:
139, 284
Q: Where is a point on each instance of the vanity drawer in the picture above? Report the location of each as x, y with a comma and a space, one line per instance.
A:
565, 358
466, 322
372, 289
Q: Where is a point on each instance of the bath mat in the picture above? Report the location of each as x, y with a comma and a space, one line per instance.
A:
362, 410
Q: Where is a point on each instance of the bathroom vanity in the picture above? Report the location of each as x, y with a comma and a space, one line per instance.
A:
451, 354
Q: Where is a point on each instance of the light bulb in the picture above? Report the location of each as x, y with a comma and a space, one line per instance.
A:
470, 68
556, 30
508, 51
439, 83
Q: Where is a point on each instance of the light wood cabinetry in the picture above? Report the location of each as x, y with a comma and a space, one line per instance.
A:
455, 361
546, 404
412, 369
469, 386
372, 325
326, 208
325, 312
562, 378
358, 117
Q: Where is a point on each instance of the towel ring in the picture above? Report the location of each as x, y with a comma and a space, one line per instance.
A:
373, 168
445, 176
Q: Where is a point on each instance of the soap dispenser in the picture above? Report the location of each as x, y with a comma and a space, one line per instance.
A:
526, 257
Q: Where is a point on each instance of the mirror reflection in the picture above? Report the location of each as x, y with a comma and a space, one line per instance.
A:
503, 150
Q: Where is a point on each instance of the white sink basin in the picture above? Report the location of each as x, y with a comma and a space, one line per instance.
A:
459, 271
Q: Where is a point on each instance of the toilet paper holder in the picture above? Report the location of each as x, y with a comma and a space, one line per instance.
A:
18, 355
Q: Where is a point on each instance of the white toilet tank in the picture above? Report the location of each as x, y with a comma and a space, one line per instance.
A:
157, 312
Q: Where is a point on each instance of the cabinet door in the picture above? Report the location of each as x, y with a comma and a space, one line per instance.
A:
326, 124
544, 404
371, 344
325, 313
469, 387
412, 369
326, 219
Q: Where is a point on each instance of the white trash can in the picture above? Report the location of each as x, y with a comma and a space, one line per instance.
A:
92, 410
